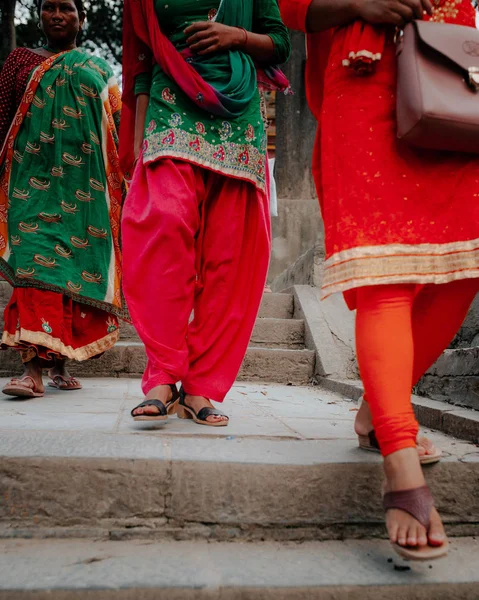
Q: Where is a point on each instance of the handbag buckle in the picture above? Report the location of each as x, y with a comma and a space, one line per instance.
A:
473, 81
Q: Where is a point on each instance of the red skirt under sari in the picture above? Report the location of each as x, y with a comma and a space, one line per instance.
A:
49, 325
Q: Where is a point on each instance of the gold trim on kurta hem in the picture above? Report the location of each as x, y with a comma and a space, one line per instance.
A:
234, 173
400, 263
22, 338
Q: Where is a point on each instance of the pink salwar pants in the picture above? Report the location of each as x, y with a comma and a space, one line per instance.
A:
194, 241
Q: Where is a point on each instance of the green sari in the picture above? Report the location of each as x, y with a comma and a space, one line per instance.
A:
61, 187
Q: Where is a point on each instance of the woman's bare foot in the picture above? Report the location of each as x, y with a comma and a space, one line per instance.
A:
199, 402
364, 424
403, 472
163, 393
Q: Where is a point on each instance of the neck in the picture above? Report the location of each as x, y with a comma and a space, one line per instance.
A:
56, 48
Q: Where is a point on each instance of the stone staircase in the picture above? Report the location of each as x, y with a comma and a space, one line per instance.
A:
94, 506
276, 354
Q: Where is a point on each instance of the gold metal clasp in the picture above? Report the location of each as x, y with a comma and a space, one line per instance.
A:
473, 78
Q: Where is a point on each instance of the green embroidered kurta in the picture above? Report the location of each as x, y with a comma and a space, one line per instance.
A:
178, 128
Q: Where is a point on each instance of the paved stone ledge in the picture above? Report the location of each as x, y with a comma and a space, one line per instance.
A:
134, 570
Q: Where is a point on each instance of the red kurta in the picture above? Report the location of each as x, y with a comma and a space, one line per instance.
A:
392, 214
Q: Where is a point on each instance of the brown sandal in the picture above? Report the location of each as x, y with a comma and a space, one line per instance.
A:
418, 502
370, 442
164, 409
19, 388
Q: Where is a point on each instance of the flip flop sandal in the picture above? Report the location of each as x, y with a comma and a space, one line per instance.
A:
19, 388
164, 409
370, 442
64, 383
186, 412
418, 502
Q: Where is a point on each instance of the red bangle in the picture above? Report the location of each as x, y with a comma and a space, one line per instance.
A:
245, 41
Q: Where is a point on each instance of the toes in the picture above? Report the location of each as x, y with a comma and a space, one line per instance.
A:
436, 535
421, 536
402, 535
412, 535
393, 532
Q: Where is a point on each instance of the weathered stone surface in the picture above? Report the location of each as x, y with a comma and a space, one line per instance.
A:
305, 270
469, 333
348, 570
278, 333
281, 366
277, 306
463, 424
329, 331
67, 491
455, 363
297, 228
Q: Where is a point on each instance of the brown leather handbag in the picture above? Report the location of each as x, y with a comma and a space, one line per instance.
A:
438, 86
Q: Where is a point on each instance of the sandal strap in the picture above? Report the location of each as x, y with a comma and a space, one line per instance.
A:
158, 403
418, 502
206, 412
23, 381
175, 396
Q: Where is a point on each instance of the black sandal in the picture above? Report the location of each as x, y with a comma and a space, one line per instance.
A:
164, 409
186, 412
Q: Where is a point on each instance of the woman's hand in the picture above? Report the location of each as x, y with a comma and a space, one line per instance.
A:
205, 37
392, 12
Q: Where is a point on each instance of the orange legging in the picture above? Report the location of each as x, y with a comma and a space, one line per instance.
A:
401, 330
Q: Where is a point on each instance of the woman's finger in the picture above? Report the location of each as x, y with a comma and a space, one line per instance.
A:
198, 26
203, 44
200, 35
214, 48
406, 13
416, 9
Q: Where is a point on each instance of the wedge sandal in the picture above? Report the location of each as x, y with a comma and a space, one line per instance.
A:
418, 502
186, 412
370, 442
164, 409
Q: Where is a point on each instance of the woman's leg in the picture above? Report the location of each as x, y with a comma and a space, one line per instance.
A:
446, 305
233, 256
160, 222
385, 349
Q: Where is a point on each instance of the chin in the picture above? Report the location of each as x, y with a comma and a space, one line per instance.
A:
60, 39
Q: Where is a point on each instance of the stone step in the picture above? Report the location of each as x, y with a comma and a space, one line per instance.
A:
268, 332
128, 359
108, 570
99, 474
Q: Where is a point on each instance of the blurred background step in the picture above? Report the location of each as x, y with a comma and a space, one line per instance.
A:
128, 359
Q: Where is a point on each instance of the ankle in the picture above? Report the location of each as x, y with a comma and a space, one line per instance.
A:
160, 392
403, 470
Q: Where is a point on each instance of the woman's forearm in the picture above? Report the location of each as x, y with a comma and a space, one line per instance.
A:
259, 46
142, 101
325, 14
